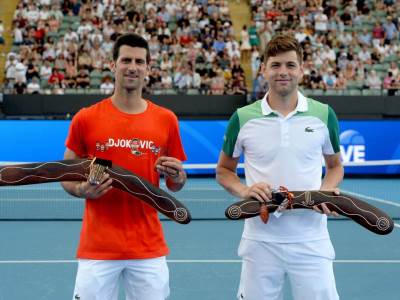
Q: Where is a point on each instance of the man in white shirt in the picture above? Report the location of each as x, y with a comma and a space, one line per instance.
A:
328, 54
45, 70
107, 87
321, 21
284, 137
364, 55
20, 71
10, 66
71, 36
373, 81
33, 86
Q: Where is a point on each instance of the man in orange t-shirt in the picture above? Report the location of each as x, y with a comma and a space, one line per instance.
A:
121, 236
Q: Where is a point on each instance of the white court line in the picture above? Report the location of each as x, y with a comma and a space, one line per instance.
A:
203, 261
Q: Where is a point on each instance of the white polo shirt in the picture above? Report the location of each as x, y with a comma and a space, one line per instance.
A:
284, 151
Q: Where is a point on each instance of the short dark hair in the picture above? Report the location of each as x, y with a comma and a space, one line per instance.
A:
132, 40
283, 43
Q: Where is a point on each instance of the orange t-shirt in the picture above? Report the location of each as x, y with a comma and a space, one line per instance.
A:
118, 225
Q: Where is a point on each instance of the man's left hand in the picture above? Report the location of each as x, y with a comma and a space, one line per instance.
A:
170, 167
323, 208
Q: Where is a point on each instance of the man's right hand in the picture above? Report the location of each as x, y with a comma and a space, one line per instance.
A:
260, 191
90, 191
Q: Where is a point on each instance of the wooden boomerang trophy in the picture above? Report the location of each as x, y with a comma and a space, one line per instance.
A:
92, 171
361, 212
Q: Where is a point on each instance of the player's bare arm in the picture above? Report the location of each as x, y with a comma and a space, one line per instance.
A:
227, 177
333, 176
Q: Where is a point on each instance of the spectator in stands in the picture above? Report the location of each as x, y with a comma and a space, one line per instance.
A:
365, 38
53, 23
166, 63
97, 55
196, 79
46, 70
55, 11
236, 67
255, 62
82, 79
341, 82
56, 77
217, 84
394, 69
376, 56
70, 82
223, 59
183, 79
154, 47
60, 62
107, 87
166, 79
20, 11
20, 70
316, 80
32, 14
346, 16
390, 30
342, 59
71, 69
389, 84
57, 86
32, 71
107, 45
321, 21
328, 53
349, 72
84, 28
378, 33
365, 55
19, 86
49, 52
85, 61
154, 78
245, 46
71, 36
253, 35
260, 86
33, 87
18, 35
329, 79
238, 85
373, 81
10, 67
219, 43
396, 83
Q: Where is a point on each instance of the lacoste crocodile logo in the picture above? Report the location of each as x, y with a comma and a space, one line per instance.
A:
308, 129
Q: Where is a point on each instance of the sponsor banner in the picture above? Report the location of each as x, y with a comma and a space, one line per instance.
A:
33, 141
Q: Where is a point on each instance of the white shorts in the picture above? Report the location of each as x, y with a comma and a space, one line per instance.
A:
309, 267
143, 279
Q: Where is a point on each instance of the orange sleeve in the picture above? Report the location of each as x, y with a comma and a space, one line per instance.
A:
175, 147
75, 138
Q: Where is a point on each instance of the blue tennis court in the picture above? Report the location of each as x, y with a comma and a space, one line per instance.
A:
37, 257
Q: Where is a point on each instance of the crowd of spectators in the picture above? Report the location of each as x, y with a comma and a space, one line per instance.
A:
64, 45
350, 46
